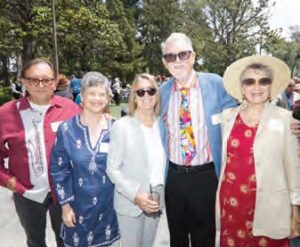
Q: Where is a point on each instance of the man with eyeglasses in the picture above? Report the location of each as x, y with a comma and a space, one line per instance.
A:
191, 133
27, 133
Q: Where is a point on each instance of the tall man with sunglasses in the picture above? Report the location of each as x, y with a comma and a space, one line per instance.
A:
27, 133
191, 133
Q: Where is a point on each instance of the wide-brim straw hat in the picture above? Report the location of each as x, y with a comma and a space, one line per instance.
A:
297, 87
281, 74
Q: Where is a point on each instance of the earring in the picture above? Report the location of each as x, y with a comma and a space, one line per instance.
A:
244, 102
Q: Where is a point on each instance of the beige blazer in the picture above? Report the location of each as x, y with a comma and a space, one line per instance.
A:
277, 168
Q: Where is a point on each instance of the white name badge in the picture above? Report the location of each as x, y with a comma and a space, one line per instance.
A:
55, 125
103, 147
216, 119
275, 125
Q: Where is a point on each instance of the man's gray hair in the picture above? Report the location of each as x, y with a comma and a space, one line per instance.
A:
175, 37
93, 78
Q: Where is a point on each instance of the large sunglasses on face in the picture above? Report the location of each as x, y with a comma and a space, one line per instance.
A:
36, 81
141, 92
171, 57
262, 81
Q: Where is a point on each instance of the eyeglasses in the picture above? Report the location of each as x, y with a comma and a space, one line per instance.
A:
262, 81
150, 91
36, 81
171, 57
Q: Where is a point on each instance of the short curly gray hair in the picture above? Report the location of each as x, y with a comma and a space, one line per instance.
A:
94, 78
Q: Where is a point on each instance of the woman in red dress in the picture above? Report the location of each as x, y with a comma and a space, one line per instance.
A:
258, 196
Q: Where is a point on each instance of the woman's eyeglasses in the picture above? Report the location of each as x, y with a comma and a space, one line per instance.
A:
262, 82
150, 91
171, 57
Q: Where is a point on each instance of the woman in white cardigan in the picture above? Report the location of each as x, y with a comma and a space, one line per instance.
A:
136, 165
258, 196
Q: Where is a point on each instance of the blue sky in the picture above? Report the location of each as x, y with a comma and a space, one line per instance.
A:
285, 13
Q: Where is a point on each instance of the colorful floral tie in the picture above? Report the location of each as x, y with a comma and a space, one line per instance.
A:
187, 140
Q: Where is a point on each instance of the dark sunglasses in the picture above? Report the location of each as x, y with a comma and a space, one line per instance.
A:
262, 82
171, 57
141, 92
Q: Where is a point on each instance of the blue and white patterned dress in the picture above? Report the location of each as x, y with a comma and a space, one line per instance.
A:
79, 176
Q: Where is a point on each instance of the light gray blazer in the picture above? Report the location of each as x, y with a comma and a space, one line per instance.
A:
127, 164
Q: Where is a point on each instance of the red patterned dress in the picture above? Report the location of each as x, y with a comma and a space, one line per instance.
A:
238, 192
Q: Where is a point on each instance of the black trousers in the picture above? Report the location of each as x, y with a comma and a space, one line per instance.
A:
190, 205
117, 98
33, 216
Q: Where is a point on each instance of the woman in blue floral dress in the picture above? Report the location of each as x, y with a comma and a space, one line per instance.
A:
78, 165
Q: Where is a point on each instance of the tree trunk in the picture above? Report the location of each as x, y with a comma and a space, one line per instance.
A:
4, 72
28, 50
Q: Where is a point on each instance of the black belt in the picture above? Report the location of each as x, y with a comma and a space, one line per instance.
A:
191, 168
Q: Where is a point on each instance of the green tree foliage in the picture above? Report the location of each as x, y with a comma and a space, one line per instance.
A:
228, 30
158, 19
7, 44
8, 38
288, 50
87, 38
295, 38
195, 26
23, 27
295, 33
122, 37
129, 60
131, 3
27, 25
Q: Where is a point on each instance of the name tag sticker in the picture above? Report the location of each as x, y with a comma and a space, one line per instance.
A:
54, 125
275, 125
216, 119
103, 147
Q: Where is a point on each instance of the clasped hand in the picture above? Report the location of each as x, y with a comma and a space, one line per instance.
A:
295, 127
295, 229
68, 215
145, 203
295, 222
